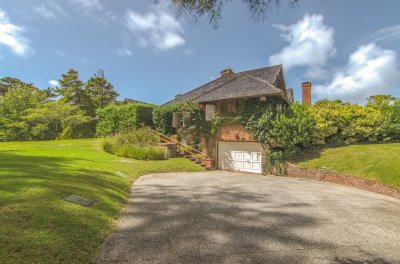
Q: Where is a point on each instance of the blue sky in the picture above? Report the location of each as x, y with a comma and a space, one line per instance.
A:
347, 49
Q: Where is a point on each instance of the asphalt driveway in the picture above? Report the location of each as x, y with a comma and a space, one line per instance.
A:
226, 217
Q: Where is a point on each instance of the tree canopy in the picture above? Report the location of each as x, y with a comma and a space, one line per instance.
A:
213, 8
67, 111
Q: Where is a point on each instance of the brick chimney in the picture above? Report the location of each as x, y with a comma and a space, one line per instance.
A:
306, 92
226, 72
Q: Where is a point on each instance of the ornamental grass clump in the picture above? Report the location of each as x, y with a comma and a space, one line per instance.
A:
136, 144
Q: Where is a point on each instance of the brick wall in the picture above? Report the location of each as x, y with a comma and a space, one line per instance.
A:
344, 179
233, 133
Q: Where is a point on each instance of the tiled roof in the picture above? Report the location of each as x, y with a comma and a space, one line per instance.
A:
257, 82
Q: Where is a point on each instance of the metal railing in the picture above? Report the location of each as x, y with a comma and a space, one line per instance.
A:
191, 151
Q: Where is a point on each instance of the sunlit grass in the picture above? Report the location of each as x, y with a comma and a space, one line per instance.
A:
378, 162
36, 225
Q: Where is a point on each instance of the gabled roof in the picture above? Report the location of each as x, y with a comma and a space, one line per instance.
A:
131, 101
252, 83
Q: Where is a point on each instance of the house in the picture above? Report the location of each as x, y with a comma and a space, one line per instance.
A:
235, 148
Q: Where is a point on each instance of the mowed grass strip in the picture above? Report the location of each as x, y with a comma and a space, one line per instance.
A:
378, 162
36, 225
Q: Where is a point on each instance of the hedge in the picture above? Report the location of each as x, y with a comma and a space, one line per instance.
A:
115, 118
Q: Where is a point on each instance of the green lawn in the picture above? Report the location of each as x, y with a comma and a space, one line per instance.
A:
36, 225
378, 162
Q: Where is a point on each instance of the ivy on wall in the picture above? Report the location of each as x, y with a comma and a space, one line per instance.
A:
285, 131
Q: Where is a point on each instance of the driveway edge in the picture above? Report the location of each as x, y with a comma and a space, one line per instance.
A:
343, 179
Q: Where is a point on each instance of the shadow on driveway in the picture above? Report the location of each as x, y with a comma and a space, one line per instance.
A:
225, 217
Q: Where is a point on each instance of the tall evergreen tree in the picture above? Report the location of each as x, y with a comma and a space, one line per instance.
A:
72, 91
100, 91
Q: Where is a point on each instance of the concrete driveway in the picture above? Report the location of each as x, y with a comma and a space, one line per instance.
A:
226, 217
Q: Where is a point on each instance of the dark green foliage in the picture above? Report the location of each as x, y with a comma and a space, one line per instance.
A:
283, 133
100, 91
162, 118
325, 123
71, 90
193, 125
115, 118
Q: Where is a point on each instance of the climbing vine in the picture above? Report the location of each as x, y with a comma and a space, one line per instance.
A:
284, 130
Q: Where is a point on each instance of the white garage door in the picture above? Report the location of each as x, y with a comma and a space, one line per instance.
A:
240, 156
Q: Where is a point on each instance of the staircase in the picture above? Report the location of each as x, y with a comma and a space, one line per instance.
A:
184, 150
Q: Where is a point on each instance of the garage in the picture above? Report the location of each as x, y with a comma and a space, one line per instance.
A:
239, 156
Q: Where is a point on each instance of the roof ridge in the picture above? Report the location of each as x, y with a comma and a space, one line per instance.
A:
236, 76
256, 69
260, 80
196, 89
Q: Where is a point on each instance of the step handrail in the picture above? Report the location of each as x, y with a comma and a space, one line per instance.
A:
197, 152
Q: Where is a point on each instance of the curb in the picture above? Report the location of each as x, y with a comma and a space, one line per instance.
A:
343, 179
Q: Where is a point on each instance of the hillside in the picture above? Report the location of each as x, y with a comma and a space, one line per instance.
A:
378, 162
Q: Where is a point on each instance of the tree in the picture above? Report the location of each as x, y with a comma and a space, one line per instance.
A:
389, 107
213, 8
6, 83
100, 91
71, 90
14, 105
52, 119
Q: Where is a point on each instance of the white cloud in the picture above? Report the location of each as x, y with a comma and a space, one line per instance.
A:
10, 36
311, 43
44, 12
158, 28
388, 34
89, 5
53, 83
318, 73
370, 70
124, 52
50, 10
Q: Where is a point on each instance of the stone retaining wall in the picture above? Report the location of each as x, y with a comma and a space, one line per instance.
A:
340, 178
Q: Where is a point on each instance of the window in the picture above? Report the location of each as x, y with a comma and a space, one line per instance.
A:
210, 112
182, 121
175, 120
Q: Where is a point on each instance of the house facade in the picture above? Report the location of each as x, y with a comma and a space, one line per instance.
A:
234, 147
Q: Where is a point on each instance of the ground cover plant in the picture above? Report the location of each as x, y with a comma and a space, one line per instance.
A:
36, 225
136, 144
378, 162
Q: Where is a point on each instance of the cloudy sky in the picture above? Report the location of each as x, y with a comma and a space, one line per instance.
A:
347, 49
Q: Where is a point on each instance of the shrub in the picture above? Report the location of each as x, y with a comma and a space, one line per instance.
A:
283, 134
140, 137
116, 118
162, 118
135, 144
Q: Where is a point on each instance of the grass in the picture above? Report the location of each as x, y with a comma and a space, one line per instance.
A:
36, 225
377, 162
135, 151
